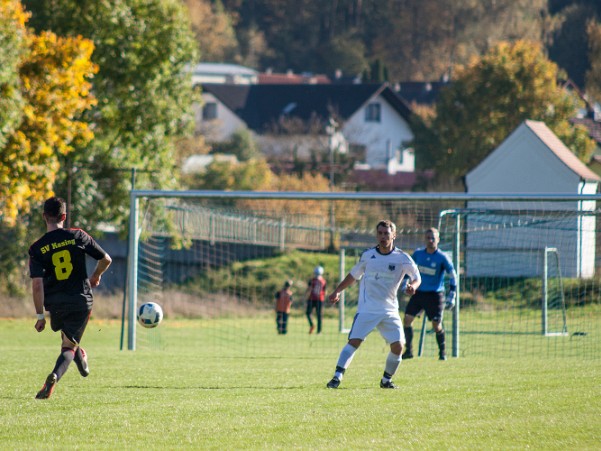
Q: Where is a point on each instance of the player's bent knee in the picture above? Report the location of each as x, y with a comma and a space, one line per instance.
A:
396, 348
355, 342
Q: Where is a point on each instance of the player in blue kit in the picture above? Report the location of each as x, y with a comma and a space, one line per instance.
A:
430, 297
381, 270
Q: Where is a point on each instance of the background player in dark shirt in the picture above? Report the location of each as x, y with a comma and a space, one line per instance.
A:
60, 285
315, 296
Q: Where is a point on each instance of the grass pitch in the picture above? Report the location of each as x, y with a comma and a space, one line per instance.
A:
180, 395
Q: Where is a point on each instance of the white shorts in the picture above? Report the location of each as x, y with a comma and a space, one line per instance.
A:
389, 325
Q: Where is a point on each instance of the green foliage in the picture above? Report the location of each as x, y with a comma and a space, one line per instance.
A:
213, 27
570, 44
377, 73
418, 40
241, 144
342, 52
489, 99
55, 92
222, 175
258, 280
13, 49
593, 76
144, 97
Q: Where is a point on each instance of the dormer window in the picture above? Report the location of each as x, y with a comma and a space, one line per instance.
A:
209, 111
373, 112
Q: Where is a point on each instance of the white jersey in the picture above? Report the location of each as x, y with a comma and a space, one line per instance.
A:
381, 275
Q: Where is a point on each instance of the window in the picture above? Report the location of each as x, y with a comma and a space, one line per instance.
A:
373, 112
209, 111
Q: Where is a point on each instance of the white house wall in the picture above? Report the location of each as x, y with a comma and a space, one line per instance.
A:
221, 128
511, 245
379, 138
587, 228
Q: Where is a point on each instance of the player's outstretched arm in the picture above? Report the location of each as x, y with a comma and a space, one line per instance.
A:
347, 282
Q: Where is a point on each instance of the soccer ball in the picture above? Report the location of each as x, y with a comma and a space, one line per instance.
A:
150, 314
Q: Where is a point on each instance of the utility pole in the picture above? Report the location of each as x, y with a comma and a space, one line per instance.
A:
331, 130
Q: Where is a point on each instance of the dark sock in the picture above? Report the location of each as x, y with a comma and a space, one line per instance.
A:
63, 362
409, 339
440, 338
78, 357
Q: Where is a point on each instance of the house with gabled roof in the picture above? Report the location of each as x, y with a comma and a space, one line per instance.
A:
531, 160
294, 120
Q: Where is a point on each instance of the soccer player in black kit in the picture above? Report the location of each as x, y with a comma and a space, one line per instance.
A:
60, 285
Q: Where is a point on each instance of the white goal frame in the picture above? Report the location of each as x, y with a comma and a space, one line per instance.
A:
134, 228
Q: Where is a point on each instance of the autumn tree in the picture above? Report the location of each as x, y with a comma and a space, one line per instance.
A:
13, 36
45, 88
214, 31
593, 76
143, 49
488, 99
570, 44
219, 175
55, 89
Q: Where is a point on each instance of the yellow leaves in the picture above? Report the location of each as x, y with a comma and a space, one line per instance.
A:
13, 10
55, 85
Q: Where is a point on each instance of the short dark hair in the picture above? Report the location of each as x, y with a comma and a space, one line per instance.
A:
433, 230
388, 224
55, 207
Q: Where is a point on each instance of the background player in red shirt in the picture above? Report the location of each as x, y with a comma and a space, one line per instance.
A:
283, 301
315, 295
60, 284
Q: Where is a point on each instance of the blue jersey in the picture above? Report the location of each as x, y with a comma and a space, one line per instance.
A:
432, 268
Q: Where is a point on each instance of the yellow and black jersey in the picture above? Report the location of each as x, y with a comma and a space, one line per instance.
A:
59, 257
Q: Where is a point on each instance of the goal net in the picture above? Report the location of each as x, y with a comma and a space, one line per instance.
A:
528, 268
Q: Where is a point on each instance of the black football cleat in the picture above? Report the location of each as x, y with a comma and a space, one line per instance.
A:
334, 383
407, 355
388, 384
442, 355
82, 364
48, 387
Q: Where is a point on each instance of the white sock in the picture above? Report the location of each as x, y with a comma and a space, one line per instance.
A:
346, 356
392, 364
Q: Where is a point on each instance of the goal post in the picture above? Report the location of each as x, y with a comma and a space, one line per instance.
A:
553, 307
218, 258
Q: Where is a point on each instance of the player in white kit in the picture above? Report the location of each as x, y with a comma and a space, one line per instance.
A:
380, 270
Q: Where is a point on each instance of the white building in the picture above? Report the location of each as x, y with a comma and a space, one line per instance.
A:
373, 121
509, 241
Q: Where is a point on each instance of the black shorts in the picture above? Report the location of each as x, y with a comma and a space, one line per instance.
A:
432, 302
71, 322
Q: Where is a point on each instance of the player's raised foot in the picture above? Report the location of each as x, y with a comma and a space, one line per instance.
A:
311, 329
442, 355
407, 355
82, 363
48, 387
334, 383
388, 384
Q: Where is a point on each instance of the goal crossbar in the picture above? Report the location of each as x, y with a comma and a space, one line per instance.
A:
137, 195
